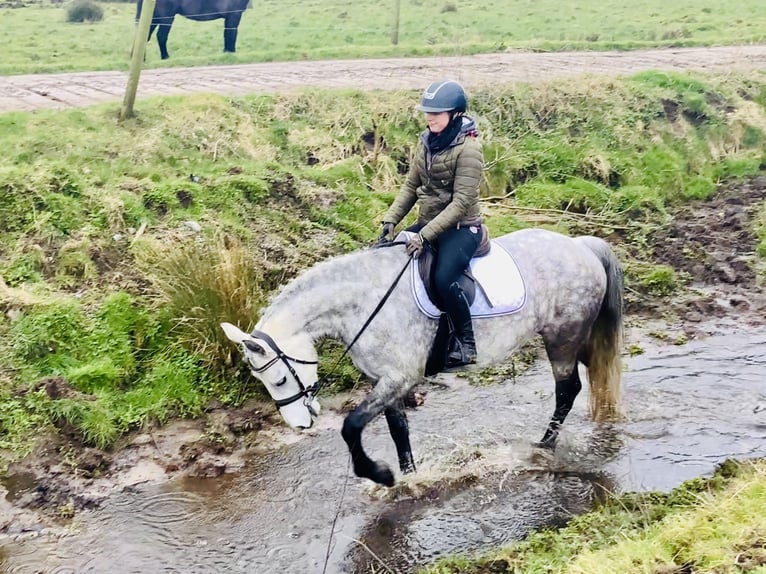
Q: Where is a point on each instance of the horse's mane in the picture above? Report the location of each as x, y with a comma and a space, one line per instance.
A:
363, 263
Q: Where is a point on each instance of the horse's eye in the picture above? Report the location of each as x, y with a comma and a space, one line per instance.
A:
254, 347
282, 382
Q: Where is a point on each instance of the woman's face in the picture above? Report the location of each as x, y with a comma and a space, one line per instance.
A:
437, 121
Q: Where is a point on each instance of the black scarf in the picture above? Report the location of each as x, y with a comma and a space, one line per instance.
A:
442, 140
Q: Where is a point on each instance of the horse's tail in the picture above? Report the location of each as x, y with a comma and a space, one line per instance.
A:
602, 350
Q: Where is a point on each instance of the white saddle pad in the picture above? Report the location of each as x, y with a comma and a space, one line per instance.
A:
500, 287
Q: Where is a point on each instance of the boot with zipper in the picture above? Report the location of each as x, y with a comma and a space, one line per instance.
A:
463, 348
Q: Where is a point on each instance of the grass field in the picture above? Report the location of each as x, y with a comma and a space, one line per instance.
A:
39, 39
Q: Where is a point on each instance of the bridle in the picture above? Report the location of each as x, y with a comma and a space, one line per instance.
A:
306, 392
309, 393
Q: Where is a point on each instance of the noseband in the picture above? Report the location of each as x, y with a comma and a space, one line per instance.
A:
306, 392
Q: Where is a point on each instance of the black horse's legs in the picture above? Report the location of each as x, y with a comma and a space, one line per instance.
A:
231, 23
364, 466
567, 389
400, 432
162, 36
385, 395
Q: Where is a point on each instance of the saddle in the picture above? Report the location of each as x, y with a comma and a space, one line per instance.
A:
467, 282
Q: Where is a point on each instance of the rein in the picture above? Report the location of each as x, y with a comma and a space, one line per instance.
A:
309, 393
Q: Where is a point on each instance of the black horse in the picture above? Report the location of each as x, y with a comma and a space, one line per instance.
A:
202, 10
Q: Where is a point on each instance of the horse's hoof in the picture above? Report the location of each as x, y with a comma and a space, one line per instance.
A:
382, 475
545, 444
376, 472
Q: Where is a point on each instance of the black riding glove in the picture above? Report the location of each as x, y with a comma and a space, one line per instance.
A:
387, 233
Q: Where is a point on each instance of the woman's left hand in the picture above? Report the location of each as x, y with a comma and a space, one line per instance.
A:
415, 245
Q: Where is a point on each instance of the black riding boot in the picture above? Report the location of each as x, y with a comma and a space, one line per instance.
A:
463, 348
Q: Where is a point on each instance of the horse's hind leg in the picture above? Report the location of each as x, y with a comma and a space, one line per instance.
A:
162, 36
400, 432
568, 386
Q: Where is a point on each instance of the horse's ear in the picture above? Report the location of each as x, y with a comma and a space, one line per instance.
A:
234, 333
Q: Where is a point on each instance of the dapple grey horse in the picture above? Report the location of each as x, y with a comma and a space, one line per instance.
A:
574, 301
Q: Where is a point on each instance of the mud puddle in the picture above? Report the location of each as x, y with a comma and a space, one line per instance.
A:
479, 483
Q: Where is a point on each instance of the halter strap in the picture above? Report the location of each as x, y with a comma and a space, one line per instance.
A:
309, 392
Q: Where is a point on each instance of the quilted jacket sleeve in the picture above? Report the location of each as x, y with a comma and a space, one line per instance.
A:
407, 196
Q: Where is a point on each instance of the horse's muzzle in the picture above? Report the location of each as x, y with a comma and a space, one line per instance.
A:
311, 424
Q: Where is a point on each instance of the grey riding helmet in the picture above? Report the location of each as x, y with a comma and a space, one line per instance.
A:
443, 96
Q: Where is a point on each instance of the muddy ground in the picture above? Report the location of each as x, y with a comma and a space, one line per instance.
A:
709, 243
78, 89
712, 245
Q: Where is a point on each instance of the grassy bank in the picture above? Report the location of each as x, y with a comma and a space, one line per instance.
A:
714, 525
39, 39
110, 231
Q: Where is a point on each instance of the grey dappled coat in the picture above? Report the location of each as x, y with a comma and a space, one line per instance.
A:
446, 184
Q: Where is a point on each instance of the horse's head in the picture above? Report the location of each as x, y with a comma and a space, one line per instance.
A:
291, 379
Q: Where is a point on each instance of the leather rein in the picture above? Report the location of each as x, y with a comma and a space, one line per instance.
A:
309, 392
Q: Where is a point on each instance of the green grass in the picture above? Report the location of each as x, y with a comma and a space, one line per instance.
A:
38, 38
105, 285
706, 526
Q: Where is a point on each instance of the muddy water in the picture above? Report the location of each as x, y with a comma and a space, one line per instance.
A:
687, 408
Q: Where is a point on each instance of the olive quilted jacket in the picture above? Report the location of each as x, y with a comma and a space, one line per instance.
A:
444, 184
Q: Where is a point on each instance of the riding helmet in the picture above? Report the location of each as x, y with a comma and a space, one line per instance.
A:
443, 96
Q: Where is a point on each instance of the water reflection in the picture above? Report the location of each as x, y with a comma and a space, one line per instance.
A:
686, 409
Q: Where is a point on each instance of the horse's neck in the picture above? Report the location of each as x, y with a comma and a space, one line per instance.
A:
328, 300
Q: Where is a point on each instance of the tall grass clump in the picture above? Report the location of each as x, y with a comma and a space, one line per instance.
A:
760, 230
633, 148
200, 284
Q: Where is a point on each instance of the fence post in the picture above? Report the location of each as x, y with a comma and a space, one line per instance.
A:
395, 27
137, 60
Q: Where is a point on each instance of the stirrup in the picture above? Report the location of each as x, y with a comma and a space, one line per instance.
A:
453, 361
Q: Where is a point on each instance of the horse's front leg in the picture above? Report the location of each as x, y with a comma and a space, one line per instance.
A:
383, 396
231, 23
400, 432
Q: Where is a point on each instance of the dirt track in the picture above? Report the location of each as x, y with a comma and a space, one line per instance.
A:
30, 92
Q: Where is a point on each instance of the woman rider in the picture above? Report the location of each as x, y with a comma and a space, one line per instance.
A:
444, 180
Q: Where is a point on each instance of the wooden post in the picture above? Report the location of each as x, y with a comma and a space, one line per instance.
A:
395, 27
139, 49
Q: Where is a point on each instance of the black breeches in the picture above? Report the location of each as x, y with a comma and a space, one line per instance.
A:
454, 249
